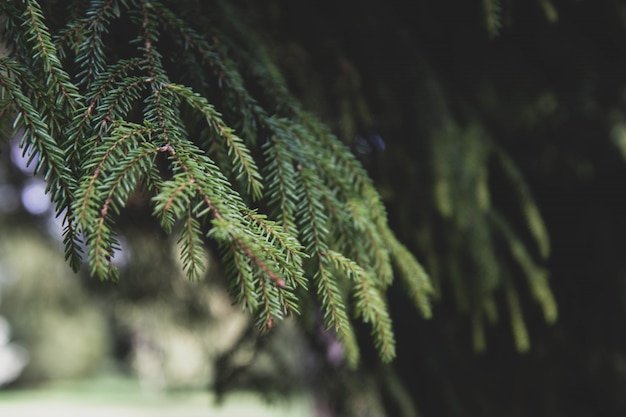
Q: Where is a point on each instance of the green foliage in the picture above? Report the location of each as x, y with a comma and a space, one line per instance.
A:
485, 253
211, 136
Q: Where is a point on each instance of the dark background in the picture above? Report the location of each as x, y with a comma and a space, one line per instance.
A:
421, 65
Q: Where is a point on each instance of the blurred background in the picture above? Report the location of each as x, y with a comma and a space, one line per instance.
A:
496, 134
155, 345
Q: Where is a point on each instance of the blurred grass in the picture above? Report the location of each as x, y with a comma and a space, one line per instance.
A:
122, 397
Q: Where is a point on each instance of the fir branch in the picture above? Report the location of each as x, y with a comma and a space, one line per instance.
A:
192, 252
291, 261
117, 104
410, 270
72, 240
241, 158
350, 167
149, 37
198, 169
370, 305
268, 310
281, 182
86, 38
118, 164
173, 200
238, 268
104, 158
46, 55
37, 142
228, 78
371, 242
336, 156
276, 301
109, 77
82, 123
312, 221
229, 224
118, 186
